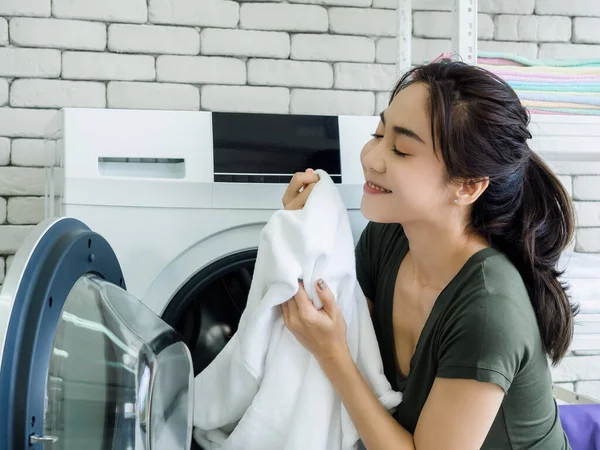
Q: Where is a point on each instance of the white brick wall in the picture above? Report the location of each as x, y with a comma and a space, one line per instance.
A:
298, 56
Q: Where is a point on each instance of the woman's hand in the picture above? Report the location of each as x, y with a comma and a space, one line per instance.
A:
299, 189
322, 332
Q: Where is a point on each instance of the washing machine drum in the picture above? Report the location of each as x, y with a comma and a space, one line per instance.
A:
85, 365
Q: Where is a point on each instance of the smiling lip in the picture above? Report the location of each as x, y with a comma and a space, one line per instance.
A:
372, 188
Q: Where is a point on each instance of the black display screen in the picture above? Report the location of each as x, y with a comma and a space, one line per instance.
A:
270, 148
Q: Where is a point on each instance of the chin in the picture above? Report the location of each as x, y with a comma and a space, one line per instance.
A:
374, 212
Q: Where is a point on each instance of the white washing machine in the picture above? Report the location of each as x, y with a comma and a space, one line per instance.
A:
153, 222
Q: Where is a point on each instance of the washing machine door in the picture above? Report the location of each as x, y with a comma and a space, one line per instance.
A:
85, 365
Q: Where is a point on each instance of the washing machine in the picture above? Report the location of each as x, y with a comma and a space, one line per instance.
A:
138, 275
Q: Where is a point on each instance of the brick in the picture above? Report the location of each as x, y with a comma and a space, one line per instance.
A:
364, 3
423, 50
29, 62
245, 99
107, 66
585, 30
588, 8
12, 236
4, 151
325, 47
506, 6
30, 93
485, 26
25, 210
525, 49
329, 102
3, 210
588, 214
266, 44
365, 77
575, 167
153, 39
283, 17
58, 33
362, 22
37, 8
126, 94
533, 28
439, 24
588, 388
204, 13
586, 188
30, 152
22, 181
3, 92
573, 368
567, 182
588, 240
385, 51
200, 69
381, 101
274, 72
417, 5
3, 31
134, 11
18, 122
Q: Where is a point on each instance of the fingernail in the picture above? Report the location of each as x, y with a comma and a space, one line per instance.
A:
321, 283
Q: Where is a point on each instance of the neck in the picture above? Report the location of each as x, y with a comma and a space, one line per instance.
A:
437, 253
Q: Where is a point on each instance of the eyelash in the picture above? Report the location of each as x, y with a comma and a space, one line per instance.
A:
394, 149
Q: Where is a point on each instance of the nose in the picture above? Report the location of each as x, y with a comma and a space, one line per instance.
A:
372, 156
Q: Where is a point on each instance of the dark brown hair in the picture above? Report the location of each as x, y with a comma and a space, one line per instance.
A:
481, 128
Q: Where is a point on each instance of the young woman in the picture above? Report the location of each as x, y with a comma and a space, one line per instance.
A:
459, 263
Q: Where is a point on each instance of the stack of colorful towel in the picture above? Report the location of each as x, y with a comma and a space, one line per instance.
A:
549, 87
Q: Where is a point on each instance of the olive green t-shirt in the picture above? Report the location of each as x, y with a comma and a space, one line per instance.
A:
482, 327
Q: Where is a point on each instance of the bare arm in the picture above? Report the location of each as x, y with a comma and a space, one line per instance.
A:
457, 415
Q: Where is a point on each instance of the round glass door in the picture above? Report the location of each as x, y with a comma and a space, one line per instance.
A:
119, 378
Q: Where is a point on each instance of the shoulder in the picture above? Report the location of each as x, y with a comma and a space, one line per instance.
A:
490, 324
493, 298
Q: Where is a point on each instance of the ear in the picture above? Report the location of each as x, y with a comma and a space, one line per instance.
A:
468, 191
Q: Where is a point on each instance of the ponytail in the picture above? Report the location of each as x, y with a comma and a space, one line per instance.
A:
540, 231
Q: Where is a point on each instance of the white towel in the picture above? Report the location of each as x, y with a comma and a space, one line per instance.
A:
264, 391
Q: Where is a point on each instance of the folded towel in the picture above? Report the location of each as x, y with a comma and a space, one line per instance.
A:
265, 391
504, 58
550, 86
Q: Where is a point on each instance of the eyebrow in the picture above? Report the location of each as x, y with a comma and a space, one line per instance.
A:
403, 130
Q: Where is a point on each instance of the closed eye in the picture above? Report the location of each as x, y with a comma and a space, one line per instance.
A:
394, 149
398, 152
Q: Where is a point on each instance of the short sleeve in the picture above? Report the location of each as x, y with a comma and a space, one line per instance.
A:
366, 262
485, 341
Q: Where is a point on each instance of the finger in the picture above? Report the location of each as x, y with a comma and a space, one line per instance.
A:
327, 298
293, 314
301, 198
286, 313
305, 307
299, 180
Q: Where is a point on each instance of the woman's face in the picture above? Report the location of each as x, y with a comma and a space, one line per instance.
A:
409, 177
